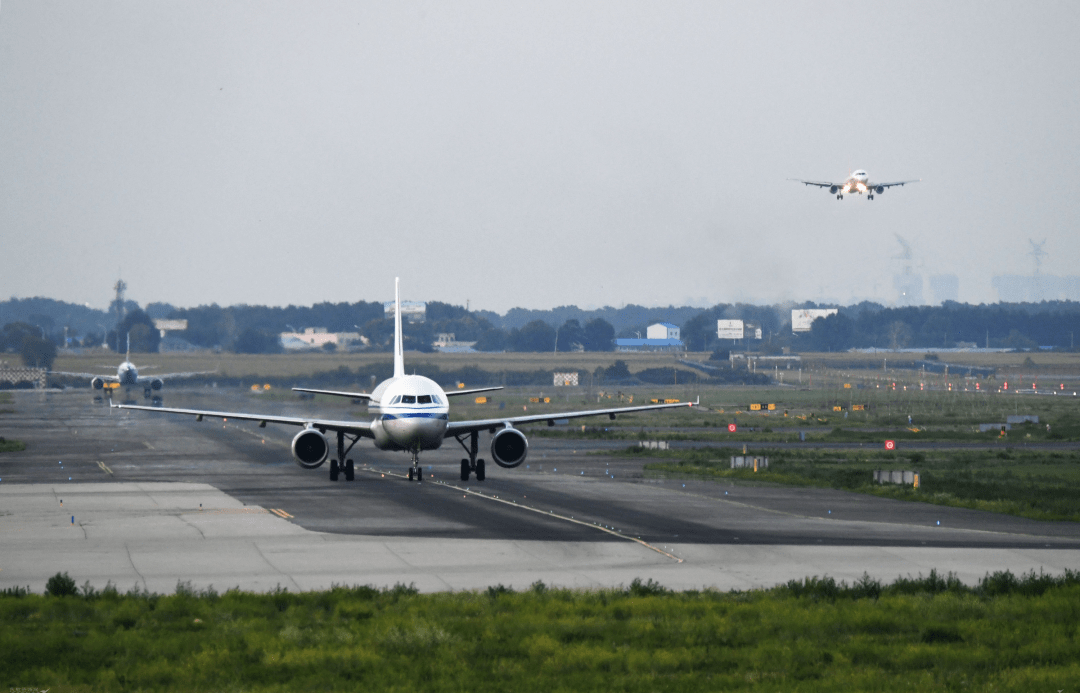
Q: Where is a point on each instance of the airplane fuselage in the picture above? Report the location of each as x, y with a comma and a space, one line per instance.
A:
856, 183
127, 374
413, 413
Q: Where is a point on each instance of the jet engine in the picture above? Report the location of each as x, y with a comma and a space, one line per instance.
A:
833, 189
509, 447
156, 384
310, 448
879, 189
97, 383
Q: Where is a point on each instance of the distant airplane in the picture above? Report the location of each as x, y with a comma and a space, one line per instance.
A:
857, 182
412, 415
127, 376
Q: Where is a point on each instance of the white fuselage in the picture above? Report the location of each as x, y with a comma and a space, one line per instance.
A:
412, 414
127, 374
856, 183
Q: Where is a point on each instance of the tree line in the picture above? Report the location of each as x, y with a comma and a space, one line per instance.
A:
256, 329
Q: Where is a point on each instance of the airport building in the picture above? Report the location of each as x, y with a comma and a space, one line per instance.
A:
662, 336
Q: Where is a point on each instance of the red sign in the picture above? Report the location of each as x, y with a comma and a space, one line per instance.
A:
890, 444
731, 428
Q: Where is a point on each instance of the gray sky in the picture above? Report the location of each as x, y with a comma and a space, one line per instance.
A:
530, 154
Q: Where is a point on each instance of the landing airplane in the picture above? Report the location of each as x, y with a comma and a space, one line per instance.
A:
857, 182
127, 376
412, 415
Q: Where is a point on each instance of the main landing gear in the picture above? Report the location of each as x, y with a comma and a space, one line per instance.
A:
870, 196
471, 465
341, 465
840, 196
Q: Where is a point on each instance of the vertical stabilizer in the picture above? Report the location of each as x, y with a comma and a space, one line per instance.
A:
399, 354
127, 355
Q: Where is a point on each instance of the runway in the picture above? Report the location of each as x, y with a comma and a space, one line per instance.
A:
579, 515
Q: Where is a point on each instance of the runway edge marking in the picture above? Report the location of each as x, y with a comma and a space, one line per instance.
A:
545, 513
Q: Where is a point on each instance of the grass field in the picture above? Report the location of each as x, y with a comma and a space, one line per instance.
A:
284, 365
1042, 485
11, 445
926, 634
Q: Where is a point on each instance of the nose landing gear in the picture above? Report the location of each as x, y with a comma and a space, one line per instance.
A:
415, 473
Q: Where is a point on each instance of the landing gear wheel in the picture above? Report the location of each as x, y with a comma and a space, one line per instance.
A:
410, 474
349, 474
419, 474
479, 470
333, 470
465, 471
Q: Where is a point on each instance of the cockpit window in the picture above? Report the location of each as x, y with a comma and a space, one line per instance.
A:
435, 399
408, 399
423, 399
396, 400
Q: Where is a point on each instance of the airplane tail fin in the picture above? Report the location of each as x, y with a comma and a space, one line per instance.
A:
399, 354
127, 356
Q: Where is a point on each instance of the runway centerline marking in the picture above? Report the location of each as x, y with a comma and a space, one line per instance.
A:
104, 467
522, 506
280, 513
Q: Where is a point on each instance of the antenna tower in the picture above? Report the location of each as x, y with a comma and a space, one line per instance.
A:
118, 303
1037, 254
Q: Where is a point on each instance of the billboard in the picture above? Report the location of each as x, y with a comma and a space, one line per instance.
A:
803, 318
729, 329
411, 311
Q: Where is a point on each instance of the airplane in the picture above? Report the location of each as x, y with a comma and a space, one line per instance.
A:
412, 415
857, 182
127, 375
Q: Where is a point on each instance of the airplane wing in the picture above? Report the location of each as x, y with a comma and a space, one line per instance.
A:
166, 376
455, 393
107, 378
335, 393
820, 184
458, 427
361, 428
889, 185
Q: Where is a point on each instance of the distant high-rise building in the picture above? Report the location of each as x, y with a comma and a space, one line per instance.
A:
908, 289
945, 287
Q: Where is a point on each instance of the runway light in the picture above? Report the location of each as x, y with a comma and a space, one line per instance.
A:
939, 522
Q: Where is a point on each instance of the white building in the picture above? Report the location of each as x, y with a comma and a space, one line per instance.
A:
317, 337
662, 330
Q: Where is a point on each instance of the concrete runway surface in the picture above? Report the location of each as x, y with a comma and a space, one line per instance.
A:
152, 499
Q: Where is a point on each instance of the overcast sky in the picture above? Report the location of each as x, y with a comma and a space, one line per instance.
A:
530, 154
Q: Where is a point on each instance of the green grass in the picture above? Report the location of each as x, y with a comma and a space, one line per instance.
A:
1042, 485
1005, 634
11, 445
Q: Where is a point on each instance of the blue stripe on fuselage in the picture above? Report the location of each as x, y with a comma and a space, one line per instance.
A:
414, 415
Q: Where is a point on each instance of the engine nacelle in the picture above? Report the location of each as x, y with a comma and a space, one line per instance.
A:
97, 383
833, 189
310, 448
156, 384
509, 447
879, 189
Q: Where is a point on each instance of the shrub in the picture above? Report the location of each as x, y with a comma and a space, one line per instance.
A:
61, 585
